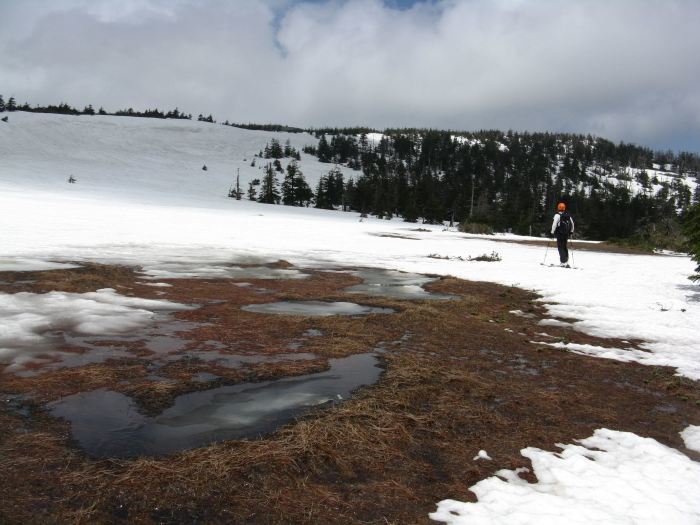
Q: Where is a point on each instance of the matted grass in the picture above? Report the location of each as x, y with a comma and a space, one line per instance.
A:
455, 381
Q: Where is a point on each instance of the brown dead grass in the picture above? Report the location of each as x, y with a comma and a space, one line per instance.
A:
455, 382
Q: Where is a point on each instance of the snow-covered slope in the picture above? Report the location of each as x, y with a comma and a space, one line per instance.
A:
143, 158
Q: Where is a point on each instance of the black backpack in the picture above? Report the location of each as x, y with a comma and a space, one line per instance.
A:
564, 228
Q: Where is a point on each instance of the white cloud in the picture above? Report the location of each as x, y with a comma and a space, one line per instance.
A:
622, 69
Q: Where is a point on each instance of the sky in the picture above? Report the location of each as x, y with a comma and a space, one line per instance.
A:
621, 69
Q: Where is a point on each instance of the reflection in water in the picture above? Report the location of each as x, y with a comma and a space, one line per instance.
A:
394, 285
108, 424
218, 270
315, 308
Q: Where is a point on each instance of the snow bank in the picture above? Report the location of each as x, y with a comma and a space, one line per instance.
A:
691, 437
32, 265
611, 477
30, 323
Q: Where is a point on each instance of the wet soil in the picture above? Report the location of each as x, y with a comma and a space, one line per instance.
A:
460, 376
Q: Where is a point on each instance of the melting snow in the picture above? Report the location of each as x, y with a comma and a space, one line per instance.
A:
30, 323
611, 477
482, 455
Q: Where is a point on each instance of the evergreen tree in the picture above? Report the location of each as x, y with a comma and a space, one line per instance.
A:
323, 200
2, 104
692, 231
295, 190
336, 186
239, 193
11, 105
269, 193
235, 191
252, 189
324, 150
276, 150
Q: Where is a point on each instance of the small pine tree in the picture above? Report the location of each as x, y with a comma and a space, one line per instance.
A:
239, 193
276, 151
11, 104
289, 186
2, 104
295, 190
269, 193
323, 199
324, 150
252, 189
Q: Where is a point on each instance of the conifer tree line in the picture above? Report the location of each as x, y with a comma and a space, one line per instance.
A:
66, 109
295, 190
512, 181
274, 150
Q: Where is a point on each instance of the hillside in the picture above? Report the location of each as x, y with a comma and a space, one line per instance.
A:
512, 181
508, 181
138, 157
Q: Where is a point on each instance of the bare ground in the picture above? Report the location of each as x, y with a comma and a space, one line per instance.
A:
460, 376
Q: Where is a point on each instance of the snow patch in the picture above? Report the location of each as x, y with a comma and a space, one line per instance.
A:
482, 455
30, 323
610, 477
32, 265
691, 437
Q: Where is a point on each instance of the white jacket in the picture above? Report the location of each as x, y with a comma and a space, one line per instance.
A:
557, 218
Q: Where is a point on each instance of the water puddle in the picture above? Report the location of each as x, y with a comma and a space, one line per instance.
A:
42, 331
394, 285
315, 308
204, 377
108, 424
222, 270
237, 360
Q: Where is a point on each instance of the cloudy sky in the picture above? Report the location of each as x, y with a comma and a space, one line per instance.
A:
622, 69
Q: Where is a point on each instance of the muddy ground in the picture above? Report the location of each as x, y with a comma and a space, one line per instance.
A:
459, 376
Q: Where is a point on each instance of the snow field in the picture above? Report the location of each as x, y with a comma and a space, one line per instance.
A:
141, 158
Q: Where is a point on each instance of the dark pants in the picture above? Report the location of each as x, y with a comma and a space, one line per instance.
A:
563, 250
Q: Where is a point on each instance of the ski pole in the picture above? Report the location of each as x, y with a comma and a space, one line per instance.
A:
573, 262
545, 253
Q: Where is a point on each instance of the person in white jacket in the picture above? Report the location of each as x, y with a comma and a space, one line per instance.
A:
562, 229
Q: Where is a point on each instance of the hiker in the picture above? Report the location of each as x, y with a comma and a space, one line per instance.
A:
562, 229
